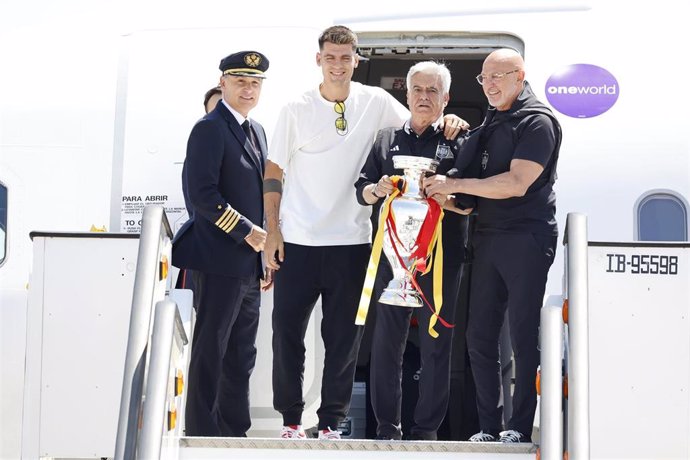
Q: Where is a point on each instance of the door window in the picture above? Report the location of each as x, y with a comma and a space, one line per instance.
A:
662, 216
3, 222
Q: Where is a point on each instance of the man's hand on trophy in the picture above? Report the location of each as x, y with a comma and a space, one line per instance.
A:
384, 187
438, 184
440, 199
448, 203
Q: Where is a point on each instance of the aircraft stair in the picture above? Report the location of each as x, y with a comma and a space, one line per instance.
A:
253, 448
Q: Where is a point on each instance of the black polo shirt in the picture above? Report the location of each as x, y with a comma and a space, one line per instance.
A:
430, 144
526, 131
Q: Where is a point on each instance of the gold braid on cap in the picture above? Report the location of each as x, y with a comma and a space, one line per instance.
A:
232, 71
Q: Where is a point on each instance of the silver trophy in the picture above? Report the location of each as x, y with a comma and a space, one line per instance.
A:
409, 211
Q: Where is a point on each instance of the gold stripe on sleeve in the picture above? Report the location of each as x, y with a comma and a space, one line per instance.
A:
222, 217
233, 223
227, 219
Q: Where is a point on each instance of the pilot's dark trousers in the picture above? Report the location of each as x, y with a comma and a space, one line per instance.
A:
336, 273
509, 271
388, 346
223, 355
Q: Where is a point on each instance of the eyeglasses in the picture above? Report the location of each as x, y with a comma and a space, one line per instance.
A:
481, 78
340, 122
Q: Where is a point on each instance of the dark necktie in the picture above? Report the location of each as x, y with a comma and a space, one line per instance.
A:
250, 135
249, 132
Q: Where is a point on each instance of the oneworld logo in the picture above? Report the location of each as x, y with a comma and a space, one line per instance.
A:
582, 90
603, 89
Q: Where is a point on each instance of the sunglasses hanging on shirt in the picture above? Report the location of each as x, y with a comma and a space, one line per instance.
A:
340, 122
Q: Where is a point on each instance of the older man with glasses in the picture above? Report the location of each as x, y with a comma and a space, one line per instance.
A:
514, 242
318, 235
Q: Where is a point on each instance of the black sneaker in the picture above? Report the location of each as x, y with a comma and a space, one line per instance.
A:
483, 437
511, 436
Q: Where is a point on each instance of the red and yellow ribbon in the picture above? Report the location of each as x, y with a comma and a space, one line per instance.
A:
377, 245
428, 247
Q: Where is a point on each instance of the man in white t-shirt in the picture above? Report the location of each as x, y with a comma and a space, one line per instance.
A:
318, 235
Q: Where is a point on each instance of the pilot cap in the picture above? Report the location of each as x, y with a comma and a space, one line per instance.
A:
244, 64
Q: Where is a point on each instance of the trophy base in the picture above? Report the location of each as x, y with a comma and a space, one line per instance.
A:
401, 298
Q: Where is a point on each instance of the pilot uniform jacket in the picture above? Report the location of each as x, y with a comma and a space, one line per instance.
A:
222, 180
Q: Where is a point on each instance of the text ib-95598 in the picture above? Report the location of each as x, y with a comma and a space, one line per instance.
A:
642, 264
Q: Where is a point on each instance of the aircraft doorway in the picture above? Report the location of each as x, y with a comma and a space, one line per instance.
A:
387, 59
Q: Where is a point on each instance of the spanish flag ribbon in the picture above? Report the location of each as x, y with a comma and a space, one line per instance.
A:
427, 239
427, 247
430, 239
375, 257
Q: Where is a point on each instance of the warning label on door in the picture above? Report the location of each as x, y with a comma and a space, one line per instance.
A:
132, 209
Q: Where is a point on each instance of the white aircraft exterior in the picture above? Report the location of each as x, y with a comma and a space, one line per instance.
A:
97, 100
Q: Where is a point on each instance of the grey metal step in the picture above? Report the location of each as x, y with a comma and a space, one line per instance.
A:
353, 449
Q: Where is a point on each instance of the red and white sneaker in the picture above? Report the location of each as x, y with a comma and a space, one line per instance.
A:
329, 434
292, 432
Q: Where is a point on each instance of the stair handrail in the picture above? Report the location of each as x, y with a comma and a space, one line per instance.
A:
149, 287
578, 438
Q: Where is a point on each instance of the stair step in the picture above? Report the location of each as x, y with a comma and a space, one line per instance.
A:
353, 449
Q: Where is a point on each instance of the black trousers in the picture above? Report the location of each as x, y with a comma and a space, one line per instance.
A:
336, 273
388, 346
509, 271
223, 355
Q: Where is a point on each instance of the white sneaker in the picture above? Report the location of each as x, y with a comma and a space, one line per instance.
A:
511, 436
292, 432
483, 437
329, 434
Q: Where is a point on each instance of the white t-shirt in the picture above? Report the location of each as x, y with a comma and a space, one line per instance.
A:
318, 206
